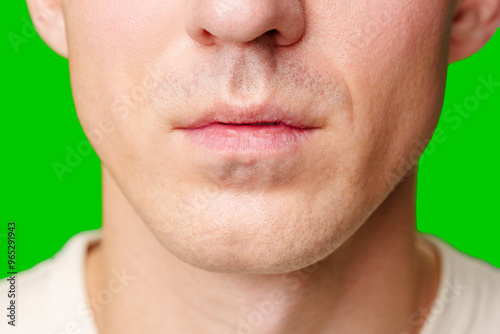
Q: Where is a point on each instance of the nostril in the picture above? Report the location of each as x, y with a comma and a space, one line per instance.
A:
280, 22
205, 34
272, 32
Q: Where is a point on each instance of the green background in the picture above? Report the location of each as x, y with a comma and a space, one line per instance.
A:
458, 184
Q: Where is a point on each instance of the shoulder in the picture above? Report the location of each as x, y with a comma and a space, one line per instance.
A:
468, 298
51, 296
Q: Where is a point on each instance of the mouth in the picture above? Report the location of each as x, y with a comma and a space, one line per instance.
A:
257, 130
262, 123
254, 115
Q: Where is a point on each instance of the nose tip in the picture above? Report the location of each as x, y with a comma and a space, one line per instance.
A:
240, 21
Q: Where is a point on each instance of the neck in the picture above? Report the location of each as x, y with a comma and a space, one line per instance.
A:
384, 266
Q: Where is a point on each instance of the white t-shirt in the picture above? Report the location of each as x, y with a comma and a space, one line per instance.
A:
51, 297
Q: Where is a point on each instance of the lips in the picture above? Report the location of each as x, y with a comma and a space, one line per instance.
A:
261, 129
262, 123
256, 115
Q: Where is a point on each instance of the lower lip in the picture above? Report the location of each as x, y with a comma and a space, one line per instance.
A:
249, 138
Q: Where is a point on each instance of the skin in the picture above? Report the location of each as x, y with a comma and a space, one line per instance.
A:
206, 236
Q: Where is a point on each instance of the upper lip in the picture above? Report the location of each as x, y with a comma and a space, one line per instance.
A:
261, 113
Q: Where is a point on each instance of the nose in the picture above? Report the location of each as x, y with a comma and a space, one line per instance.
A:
240, 21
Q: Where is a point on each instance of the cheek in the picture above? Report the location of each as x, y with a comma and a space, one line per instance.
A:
393, 56
119, 38
111, 42
125, 32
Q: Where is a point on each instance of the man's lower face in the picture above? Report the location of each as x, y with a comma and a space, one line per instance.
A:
179, 122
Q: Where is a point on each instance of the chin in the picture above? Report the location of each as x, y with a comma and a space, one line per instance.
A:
270, 231
258, 242
259, 259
